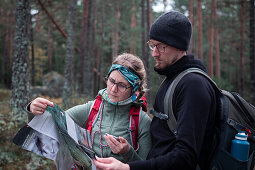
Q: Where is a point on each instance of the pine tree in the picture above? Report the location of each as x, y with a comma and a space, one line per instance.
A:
20, 66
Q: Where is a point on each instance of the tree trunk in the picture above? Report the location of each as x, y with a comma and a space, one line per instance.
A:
20, 67
217, 52
37, 23
200, 29
11, 47
133, 33
210, 39
55, 23
101, 51
88, 67
143, 30
50, 47
32, 54
216, 40
83, 45
52, 19
5, 48
94, 52
2, 55
252, 52
147, 56
241, 85
210, 51
116, 31
68, 77
191, 17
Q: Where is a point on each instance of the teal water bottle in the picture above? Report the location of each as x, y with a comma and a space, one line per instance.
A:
240, 147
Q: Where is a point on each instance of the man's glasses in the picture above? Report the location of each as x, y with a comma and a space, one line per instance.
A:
121, 87
160, 47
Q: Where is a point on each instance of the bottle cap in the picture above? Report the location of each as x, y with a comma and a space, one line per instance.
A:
241, 136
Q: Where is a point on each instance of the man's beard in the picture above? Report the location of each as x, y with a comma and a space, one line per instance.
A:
174, 59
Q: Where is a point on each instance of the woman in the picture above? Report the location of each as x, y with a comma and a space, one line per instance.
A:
125, 78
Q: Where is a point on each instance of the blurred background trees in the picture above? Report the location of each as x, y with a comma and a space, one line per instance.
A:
222, 38
73, 43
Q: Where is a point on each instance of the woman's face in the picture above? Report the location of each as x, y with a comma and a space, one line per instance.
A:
118, 88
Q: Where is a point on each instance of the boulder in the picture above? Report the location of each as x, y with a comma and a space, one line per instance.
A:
54, 82
52, 85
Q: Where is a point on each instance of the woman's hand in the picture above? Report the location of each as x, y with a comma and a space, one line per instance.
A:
117, 147
39, 105
110, 164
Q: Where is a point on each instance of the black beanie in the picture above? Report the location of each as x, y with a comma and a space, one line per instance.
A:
173, 29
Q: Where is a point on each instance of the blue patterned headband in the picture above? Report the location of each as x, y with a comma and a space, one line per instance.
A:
132, 78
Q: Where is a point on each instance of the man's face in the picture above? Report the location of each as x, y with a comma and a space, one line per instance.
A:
166, 56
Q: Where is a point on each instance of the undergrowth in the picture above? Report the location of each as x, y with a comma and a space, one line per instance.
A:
11, 155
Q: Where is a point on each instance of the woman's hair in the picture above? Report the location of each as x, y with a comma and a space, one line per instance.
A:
135, 64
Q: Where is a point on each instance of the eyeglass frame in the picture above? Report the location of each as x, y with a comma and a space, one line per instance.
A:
157, 46
117, 84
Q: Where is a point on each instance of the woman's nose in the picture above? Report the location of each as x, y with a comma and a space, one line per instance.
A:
115, 88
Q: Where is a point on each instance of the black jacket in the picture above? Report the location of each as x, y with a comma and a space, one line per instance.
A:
194, 106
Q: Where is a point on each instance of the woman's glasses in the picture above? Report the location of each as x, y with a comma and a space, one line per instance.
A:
121, 86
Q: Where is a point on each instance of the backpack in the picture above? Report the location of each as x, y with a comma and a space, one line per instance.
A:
134, 115
234, 114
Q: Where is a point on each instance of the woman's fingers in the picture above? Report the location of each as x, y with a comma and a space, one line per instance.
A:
39, 105
44, 102
113, 143
110, 139
125, 146
118, 147
123, 140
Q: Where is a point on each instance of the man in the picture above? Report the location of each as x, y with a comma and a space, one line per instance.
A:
194, 103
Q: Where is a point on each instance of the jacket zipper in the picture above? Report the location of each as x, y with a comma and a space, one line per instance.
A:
115, 109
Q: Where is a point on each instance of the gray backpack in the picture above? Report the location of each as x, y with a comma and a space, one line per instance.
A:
234, 115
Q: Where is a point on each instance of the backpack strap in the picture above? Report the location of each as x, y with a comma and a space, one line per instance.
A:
93, 114
144, 104
134, 117
168, 100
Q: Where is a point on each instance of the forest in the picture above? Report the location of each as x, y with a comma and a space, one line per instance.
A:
78, 40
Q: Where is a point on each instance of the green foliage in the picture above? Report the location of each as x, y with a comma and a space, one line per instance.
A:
12, 156
223, 84
228, 23
40, 64
229, 30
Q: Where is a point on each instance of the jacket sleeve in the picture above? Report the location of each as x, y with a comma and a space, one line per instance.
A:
80, 113
192, 103
144, 140
30, 115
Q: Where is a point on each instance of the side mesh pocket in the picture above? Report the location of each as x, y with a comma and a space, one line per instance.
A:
222, 159
226, 161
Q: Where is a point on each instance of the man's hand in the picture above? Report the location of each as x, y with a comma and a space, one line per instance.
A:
118, 147
110, 164
39, 105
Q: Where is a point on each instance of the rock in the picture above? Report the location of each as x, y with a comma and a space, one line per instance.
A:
53, 83
39, 91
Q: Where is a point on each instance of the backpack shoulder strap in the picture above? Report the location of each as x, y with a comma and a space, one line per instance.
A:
168, 100
93, 114
134, 118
